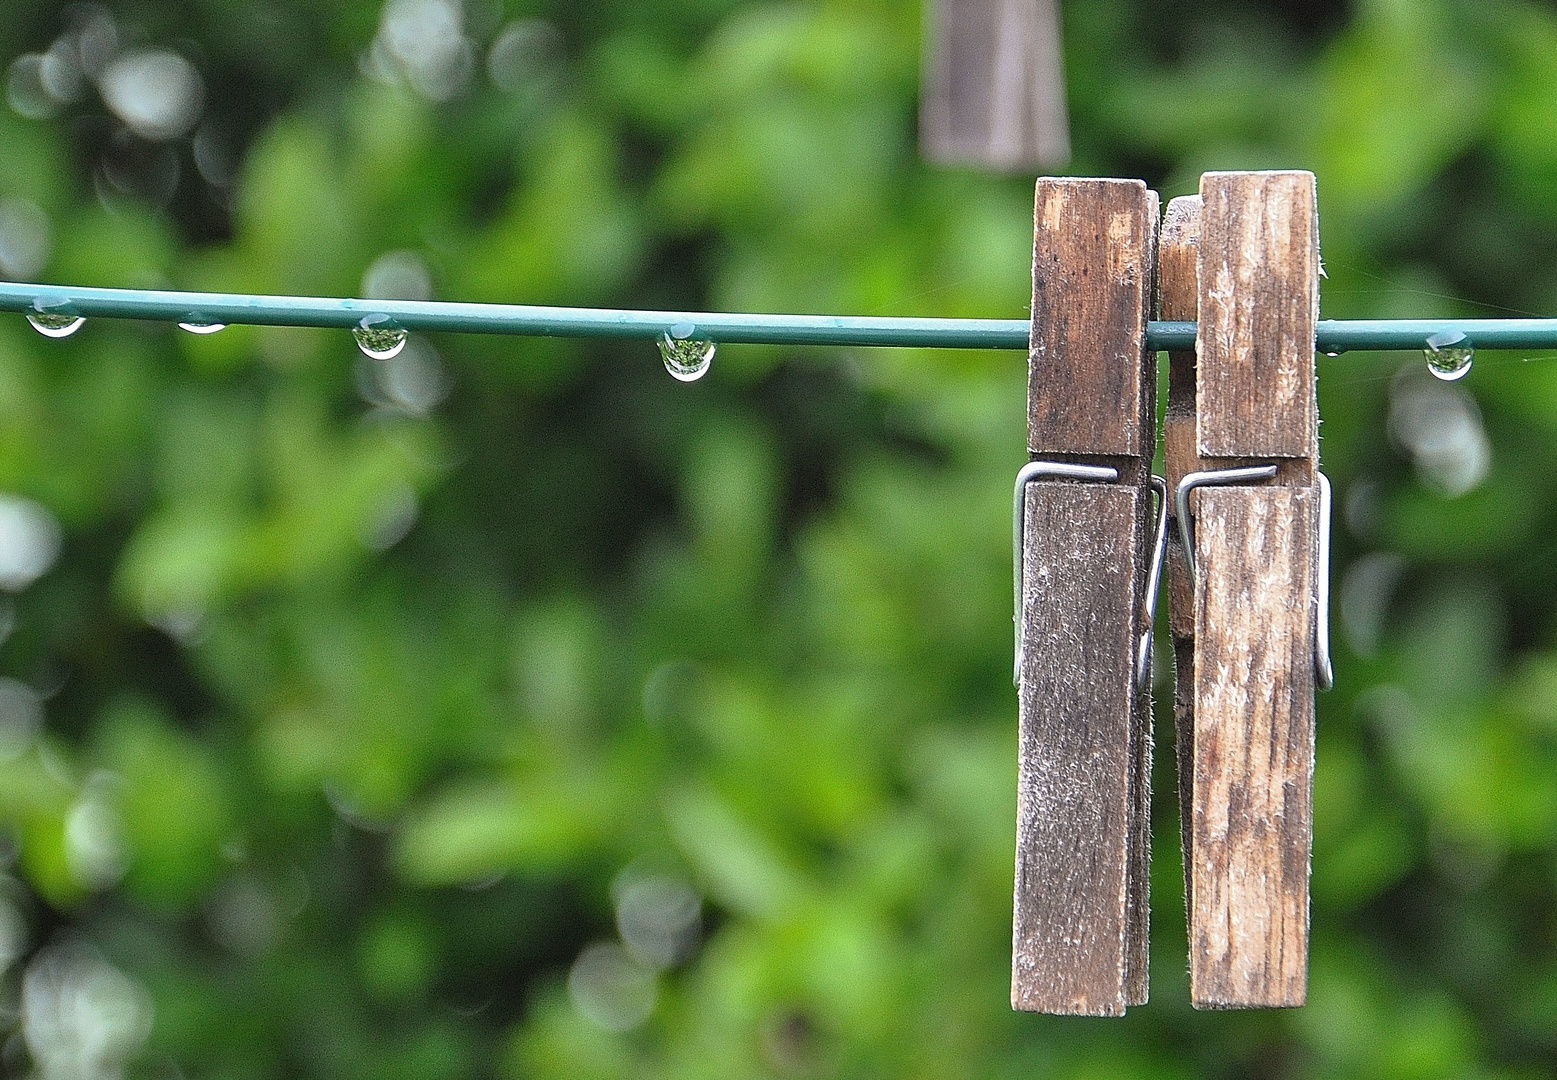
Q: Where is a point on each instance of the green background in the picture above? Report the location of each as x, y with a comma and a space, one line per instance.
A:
333, 797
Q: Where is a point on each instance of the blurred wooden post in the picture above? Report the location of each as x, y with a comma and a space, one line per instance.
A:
1251, 790
1079, 939
994, 85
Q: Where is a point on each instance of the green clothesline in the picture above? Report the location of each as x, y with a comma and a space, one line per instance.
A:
1335, 335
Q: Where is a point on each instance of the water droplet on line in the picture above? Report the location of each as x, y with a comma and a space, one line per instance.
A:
1447, 357
196, 326
686, 357
379, 337
55, 319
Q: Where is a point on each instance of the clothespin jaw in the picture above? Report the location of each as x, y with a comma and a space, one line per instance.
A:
1088, 545
1250, 576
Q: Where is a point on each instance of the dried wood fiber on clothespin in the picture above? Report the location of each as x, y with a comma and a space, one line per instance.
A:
1243, 258
1079, 934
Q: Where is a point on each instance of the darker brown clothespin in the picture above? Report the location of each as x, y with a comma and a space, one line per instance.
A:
1089, 545
1249, 575
994, 84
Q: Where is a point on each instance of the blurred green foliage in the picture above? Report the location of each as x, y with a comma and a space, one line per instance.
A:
377, 698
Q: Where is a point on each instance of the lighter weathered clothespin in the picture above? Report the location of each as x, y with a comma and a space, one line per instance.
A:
1250, 583
1088, 548
994, 84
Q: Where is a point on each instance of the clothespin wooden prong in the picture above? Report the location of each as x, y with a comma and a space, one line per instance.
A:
1178, 250
1087, 543
1249, 502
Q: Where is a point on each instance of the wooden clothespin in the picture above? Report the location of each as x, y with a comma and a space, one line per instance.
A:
1089, 546
994, 85
1249, 600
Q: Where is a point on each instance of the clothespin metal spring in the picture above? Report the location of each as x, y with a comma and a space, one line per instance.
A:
1324, 670
1063, 470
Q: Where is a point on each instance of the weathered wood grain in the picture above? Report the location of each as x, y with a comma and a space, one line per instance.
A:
1258, 313
1253, 746
1249, 715
1073, 950
994, 84
1138, 908
1178, 252
1081, 921
1093, 278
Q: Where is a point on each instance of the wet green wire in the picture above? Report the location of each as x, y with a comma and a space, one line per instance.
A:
1335, 336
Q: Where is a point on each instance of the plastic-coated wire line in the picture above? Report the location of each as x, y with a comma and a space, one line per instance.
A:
1335, 336
417, 315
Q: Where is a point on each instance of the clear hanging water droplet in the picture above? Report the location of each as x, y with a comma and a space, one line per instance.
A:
54, 319
1447, 357
686, 356
379, 337
196, 324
